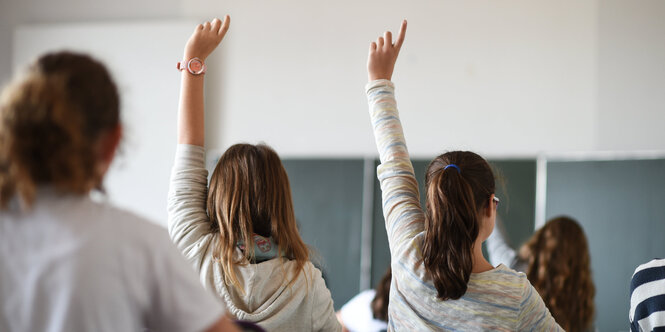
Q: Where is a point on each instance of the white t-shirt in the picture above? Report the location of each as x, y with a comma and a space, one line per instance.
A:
357, 314
71, 264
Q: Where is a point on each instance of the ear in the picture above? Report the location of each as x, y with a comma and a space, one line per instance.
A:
490, 206
107, 146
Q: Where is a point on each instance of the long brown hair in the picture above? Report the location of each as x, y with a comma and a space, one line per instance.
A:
250, 193
559, 267
51, 118
455, 199
381, 299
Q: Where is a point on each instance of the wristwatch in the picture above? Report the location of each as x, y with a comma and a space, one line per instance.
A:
194, 66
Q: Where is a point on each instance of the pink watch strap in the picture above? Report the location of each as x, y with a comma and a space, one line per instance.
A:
186, 64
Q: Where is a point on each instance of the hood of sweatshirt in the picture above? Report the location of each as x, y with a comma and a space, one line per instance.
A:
267, 293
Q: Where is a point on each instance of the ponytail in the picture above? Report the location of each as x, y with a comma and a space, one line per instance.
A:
458, 186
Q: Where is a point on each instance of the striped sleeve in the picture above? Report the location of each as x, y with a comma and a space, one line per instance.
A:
400, 198
533, 314
647, 297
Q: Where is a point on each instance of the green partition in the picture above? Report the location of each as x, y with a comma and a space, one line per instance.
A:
327, 196
621, 205
516, 187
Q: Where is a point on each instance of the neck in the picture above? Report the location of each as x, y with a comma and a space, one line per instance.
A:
480, 264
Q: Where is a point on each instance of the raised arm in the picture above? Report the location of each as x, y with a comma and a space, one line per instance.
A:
191, 119
401, 206
188, 223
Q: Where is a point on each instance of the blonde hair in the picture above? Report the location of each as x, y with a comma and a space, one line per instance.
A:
50, 120
559, 267
250, 193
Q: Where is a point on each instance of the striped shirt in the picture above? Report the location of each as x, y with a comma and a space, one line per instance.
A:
498, 300
647, 297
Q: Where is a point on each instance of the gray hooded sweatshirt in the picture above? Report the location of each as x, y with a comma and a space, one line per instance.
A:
267, 298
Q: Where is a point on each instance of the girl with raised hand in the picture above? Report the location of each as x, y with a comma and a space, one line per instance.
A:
240, 232
441, 281
68, 263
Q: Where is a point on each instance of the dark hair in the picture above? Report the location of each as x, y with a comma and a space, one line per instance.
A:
250, 193
455, 199
50, 121
381, 299
560, 270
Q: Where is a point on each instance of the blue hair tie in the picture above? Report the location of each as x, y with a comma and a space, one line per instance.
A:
453, 166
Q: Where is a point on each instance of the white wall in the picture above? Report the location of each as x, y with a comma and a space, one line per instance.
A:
631, 95
503, 78
14, 13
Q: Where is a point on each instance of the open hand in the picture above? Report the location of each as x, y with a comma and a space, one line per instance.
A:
383, 54
206, 37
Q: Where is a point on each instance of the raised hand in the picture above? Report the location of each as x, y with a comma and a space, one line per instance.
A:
206, 37
383, 54
191, 119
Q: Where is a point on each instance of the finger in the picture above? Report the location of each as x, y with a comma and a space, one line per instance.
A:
388, 36
379, 42
372, 47
225, 26
206, 26
401, 35
216, 23
199, 27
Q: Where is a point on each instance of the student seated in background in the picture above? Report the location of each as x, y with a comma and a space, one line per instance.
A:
240, 232
557, 262
68, 263
441, 281
647, 297
368, 311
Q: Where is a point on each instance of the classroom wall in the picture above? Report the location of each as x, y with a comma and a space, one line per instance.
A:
527, 66
14, 13
564, 76
631, 79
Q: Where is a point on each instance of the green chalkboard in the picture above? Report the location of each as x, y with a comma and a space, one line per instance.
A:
327, 197
516, 187
621, 205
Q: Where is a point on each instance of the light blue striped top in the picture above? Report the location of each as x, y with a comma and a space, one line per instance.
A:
497, 300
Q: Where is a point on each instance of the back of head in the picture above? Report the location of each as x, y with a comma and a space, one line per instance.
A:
456, 195
560, 269
50, 120
382, 297
250, 194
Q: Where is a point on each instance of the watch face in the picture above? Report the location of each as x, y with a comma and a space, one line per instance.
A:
195, 66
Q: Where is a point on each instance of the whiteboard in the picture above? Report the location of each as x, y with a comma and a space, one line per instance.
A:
141, 58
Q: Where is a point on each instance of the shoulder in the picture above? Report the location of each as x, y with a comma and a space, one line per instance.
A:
316, 284
644, 277
501, 285
502, 276
652, 267
646, 283
126, 228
